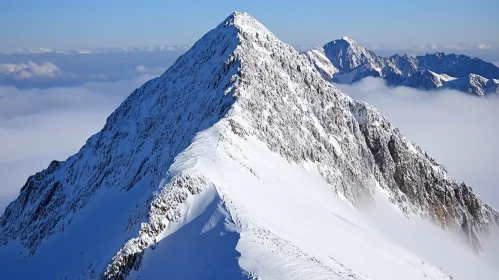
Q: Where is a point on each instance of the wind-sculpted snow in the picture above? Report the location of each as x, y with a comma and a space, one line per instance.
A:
235, 146
352, 62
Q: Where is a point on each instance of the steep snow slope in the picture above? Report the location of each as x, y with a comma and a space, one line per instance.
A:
319, 59
289, 224
241, 146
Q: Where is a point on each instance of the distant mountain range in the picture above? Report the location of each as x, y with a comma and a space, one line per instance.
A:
346, 61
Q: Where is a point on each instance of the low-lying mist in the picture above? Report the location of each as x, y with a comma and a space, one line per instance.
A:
447, 250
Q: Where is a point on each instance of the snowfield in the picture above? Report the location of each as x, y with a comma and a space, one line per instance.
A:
242, 162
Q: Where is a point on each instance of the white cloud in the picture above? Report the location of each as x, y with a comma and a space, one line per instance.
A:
457, 46
134, 72
484, 46
458, 130
35, 51
38, 126
29, 70
141, 69
82, 51
74, 71
496, 63
149, 70
431, 46
41, 50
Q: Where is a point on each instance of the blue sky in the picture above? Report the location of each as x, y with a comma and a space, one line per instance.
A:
97, 23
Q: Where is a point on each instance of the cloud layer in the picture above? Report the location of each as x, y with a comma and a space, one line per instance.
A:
29, 70
49, 70
479, 46
162, 48
458, 130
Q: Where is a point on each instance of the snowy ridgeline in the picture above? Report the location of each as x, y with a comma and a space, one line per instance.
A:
240, 161
346, 61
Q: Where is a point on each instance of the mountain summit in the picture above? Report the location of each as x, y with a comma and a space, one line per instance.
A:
239, 162
346, 55
347, 61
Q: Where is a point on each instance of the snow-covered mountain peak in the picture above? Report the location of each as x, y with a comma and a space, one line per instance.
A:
245, 23
346, 54
238, 159
347, 42
347, 39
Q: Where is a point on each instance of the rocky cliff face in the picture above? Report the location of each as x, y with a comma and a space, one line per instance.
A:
239, 82
429, 72
420, 185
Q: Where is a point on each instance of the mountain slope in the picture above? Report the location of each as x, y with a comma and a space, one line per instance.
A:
431, 71
236, 157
